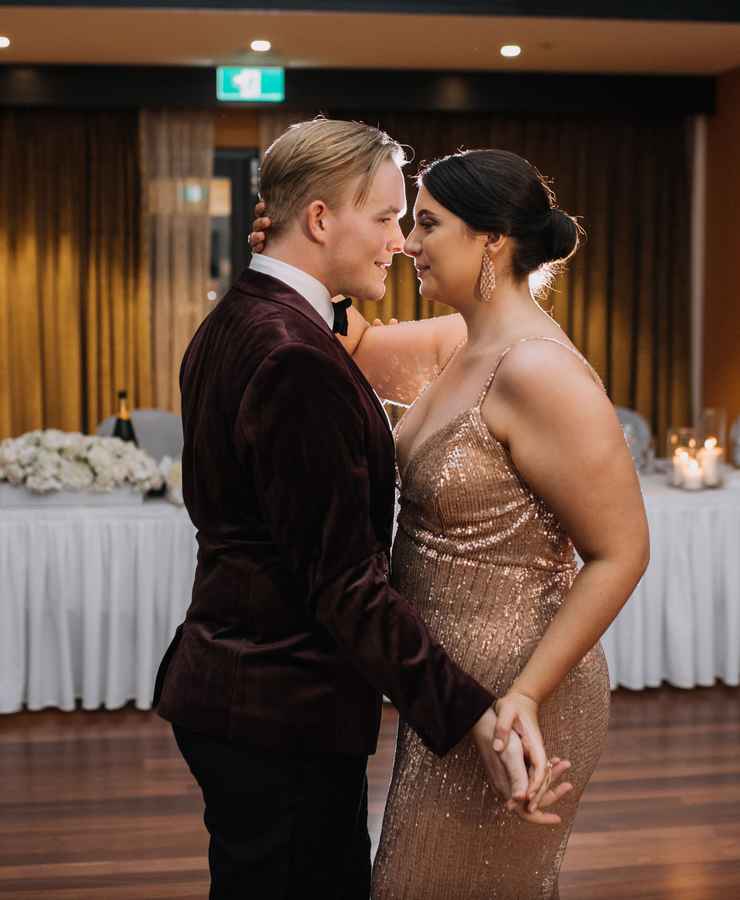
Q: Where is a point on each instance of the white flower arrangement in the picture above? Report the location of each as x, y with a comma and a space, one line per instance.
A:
171, 471
52, 460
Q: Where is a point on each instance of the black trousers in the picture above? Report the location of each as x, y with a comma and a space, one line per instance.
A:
282, 826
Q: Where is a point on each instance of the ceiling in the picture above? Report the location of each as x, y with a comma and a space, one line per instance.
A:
78, 35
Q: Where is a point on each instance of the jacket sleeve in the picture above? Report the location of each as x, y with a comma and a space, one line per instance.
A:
301, 429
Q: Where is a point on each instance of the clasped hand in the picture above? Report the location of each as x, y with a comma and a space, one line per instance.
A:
509, 739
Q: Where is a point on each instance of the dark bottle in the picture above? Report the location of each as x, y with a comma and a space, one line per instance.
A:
124, 428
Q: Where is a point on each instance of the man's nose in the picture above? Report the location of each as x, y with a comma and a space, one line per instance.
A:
395, 245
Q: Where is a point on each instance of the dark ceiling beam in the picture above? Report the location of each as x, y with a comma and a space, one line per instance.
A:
659, 10
312, 90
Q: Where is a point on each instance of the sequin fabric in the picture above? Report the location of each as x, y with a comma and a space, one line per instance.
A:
487, 564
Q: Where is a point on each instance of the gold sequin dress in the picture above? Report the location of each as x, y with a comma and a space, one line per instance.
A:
487, 564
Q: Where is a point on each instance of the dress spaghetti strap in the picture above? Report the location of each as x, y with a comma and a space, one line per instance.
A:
399, 426
552, 340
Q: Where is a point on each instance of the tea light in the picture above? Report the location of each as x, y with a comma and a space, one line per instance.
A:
710, 457
679, 462
692, 475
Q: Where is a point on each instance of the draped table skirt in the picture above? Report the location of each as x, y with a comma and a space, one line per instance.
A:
682, 623
89, 599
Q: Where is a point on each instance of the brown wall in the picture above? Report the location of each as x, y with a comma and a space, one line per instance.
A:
237, 128
722, 283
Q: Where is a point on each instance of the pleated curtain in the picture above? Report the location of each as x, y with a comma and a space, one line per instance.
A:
177, 164
74, 305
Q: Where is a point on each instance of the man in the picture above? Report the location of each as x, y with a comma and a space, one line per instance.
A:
274, 682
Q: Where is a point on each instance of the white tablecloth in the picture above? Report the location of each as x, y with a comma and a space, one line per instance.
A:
682, 624
89, 599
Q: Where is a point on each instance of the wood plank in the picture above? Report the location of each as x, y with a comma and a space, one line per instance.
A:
101, 805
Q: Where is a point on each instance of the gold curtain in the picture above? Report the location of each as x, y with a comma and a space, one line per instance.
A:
74, 315
625, 298
177, 166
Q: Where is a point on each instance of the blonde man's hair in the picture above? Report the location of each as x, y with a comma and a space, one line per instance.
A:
317, 160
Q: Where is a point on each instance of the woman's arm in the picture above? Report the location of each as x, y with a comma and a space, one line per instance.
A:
398, 362
566, 442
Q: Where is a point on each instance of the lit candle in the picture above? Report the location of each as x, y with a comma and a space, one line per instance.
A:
711, 461
679, 460
692, 476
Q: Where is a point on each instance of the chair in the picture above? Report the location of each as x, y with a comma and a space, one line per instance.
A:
157, 431
636, 430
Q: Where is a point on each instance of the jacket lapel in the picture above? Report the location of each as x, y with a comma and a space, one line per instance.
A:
272, 289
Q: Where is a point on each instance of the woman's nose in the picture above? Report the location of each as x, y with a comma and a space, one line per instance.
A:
411, 246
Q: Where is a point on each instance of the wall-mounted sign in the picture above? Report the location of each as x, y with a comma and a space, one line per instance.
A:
235, 84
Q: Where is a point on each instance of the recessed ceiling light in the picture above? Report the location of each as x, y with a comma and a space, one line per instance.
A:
511, 50
4, 42
261, 46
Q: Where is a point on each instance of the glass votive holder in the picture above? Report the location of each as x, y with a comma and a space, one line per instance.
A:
712, 441
681, 450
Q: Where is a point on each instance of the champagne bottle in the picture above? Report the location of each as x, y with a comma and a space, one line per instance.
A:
124, 428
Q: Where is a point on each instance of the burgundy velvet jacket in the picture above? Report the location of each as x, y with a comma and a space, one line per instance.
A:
294, 632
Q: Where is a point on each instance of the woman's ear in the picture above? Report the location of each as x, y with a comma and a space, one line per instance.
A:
495, 244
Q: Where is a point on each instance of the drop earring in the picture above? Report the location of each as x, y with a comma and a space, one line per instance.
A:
487, 279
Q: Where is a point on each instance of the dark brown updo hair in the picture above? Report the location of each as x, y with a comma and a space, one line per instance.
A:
497, 192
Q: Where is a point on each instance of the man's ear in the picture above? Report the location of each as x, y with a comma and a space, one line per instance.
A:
316, 219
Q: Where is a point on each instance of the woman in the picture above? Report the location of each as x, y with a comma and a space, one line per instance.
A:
509, 456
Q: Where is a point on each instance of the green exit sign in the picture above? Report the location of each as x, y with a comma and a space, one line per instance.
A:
255, 85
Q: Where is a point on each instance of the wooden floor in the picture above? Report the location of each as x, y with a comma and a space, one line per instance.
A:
100, 805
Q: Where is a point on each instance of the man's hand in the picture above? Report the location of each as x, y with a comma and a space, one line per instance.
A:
508, 775
506, 771
548, 794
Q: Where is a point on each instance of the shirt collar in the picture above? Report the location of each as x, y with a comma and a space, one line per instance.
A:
306, 285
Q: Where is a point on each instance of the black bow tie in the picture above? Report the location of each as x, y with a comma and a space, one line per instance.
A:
340, 315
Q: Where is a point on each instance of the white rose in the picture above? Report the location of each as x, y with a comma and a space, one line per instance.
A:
99, 458
15, 474
8, 452
42, 485
53, 439
75, 475
73, 445
103, 482
116, 447
27, 454
119, 471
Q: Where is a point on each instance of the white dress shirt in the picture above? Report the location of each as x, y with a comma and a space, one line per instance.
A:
306, 285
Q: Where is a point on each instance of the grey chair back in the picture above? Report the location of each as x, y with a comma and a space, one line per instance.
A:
636, 430
158, 432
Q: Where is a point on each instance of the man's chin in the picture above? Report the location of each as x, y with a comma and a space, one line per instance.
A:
372, 292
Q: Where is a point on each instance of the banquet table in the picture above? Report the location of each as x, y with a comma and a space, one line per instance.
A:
90, 597
682, 623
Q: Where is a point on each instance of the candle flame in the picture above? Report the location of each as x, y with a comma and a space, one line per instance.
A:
711, 443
